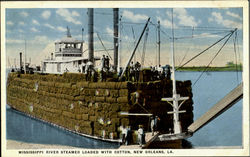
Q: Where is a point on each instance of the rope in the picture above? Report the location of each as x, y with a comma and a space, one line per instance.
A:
103, 44
213, 58
235, 54
204, 50
187, 50
201, 35
103, 13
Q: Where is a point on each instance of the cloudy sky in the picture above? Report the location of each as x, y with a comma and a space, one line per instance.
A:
194, 29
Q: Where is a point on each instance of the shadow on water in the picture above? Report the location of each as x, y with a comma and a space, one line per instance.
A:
186, 144
26, 129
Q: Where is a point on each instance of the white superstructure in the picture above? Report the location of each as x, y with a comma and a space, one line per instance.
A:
68, 57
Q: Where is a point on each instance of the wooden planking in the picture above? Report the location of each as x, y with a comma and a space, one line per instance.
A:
225, 103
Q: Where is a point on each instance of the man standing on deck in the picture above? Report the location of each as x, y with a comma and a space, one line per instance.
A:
140, 135
131, 71
168, 72
152, 125
124, 131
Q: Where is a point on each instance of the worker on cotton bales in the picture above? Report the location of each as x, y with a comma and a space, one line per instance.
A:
107, 63
103, 63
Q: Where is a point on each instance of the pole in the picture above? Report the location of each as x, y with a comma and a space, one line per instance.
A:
25, 58
90, 32
120, 46
21, 61
144, 48
132, 54
177, 128
159, 45
116, 29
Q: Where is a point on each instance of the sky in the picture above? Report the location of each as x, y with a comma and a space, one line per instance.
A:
194, 30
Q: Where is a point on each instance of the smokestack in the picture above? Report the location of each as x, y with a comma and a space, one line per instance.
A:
90, 32
116, 20
21, 61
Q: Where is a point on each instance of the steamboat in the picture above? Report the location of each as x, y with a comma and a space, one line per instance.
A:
69, 91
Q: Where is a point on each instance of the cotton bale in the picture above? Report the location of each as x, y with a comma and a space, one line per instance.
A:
115, 107
111, 100
111, 85
85, 116
114, 93
85, 124
123, 99
100, 99
123, 92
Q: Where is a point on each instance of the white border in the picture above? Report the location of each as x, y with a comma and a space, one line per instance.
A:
140, 4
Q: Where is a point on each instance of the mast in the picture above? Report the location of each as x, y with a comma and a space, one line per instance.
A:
176, 97
90, 32
120, 46
116, 27
159, 45
177, 127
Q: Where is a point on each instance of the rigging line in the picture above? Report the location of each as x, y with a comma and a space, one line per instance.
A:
103, 13
235, 54
143, 107
134, 42
169, 37
103, 45
127, 45
200, 27
156, 35
213, 58
204, 50
238, 49
184, 56
201, 35
187, 50
133, 23
161, 30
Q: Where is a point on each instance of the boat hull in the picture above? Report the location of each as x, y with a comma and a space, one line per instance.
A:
93, 108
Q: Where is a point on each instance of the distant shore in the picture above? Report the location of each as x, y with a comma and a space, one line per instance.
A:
210, 69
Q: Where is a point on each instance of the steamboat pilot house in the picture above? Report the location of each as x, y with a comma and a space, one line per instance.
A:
68, 56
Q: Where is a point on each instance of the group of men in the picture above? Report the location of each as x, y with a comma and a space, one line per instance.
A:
132, 71
105, 63
89, 70
159, 72
127, 135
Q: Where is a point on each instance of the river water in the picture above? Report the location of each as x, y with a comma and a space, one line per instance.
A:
225, 130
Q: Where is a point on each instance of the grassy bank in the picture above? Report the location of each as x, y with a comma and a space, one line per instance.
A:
226, 68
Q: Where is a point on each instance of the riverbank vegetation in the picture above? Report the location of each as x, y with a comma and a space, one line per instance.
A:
230, 66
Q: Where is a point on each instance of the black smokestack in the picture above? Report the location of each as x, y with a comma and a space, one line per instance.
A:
116, 19
90, 32
21, 61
